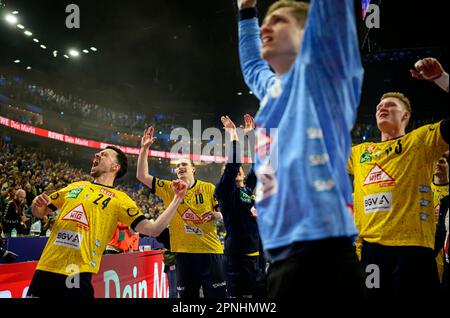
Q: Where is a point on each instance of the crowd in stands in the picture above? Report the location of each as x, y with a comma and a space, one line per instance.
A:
25, 168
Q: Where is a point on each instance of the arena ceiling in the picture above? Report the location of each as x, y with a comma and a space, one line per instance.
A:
170, 56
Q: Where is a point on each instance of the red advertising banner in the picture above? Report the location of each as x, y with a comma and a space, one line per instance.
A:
101, 145
133, 275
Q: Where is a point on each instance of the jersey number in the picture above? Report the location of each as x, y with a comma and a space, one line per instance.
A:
104, 203
199, 198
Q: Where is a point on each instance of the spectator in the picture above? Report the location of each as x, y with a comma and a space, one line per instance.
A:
13, 216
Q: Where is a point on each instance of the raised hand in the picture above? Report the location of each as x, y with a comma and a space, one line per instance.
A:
427, 69
41, 201
148, 139
228, 124
179, 188
244, 4
249, 124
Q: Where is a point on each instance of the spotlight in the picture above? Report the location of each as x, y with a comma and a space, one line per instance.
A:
27, 33
66, 56
85, 51
55, 53
11, 19
74, 53
28, 67
94, 49
17, 61
20, 26
36, 40
43, 46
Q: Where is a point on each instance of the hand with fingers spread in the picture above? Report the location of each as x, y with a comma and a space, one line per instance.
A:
249, 124
148, 139
427, 69
229, 127
244, 4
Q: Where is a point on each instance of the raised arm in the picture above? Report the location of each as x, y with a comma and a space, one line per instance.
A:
40, 204
142, 164
431, 70
331, 38
257, 74
154, 228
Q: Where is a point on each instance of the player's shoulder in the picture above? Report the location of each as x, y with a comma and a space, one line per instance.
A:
362, 147
162, 182
204, 184
78, 184
119, 194
425, 129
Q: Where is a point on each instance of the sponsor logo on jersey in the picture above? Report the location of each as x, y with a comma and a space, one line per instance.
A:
73, 194
424, 188
378, 175
378, 202
424, 216
314, 133
108, 193
160, 183
365, 157
193, 230
318, 160
245, 197
276, 89
54, 196
322, 185
424, 202
78, 215
189, 215
132, 212
68, 239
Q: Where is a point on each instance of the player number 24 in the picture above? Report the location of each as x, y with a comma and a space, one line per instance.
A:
104, 203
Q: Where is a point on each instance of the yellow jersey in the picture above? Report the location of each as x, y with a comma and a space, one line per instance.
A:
393, 201
88, 216
439, 191
191, 230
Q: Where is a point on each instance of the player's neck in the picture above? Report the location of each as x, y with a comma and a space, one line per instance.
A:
105, 179
189, 181
392, 134
282, 64
440, 179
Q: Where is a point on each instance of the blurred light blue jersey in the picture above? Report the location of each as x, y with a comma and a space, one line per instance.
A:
303, 127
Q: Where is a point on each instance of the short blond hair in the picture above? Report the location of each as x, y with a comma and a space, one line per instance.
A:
299, 10
401, 97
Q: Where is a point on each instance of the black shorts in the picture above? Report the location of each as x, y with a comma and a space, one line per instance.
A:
327, 268
195, 270
50, 285
403, 270
244, 276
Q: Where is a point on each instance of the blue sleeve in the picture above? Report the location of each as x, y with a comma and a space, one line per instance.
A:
257, 74
331, 40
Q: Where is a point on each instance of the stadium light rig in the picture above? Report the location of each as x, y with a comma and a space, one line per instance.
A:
74, 53
11, 19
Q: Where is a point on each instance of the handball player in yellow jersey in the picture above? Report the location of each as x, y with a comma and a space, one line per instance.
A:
193, 233
392, 195
89, 212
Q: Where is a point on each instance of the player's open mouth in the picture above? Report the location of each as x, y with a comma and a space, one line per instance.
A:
266, 40
95, 163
